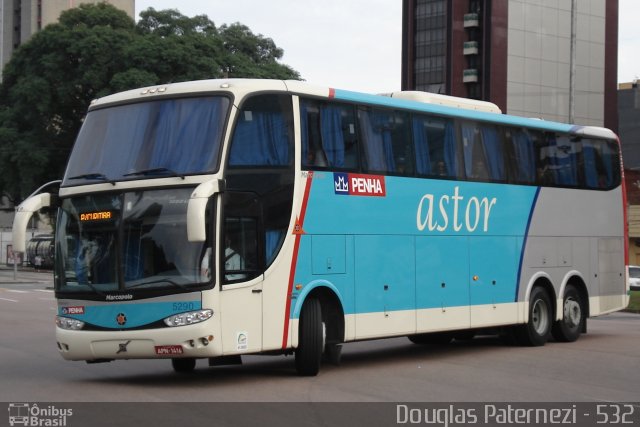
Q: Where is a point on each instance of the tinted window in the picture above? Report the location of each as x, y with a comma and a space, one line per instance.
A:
174, 136
601, 163
483, 152
328, 136
521, 156
559, 160
386, 142
263, 135
435, 146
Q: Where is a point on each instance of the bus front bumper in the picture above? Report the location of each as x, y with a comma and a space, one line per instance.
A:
195, 341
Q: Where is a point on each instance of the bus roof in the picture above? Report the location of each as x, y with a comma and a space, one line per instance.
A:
415, 101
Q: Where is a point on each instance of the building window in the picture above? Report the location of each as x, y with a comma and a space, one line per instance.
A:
430, 45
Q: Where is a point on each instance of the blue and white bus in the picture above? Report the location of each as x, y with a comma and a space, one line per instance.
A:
211, 219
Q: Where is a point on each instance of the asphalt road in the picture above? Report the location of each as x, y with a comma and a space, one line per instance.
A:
602, 366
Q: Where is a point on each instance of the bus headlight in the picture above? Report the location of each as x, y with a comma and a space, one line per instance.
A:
188, 318
69, 323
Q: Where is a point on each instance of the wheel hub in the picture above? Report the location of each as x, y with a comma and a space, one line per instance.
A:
572, 312
540, 317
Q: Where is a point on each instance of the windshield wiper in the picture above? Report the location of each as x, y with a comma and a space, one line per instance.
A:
169, 281
155, 171
94, 176
93, 288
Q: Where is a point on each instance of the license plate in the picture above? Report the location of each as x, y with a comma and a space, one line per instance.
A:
165, 350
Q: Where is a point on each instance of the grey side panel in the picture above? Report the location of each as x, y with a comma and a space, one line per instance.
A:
578, 231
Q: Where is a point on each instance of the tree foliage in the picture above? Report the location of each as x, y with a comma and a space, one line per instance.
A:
96, 50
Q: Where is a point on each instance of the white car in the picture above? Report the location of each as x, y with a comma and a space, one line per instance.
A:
634, 277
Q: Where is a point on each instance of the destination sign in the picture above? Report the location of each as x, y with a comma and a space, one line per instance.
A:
96, 216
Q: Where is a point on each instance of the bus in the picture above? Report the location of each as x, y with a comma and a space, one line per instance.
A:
218, 218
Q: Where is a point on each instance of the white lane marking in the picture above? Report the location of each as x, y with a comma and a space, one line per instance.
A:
16, 291
7, 299
43, 290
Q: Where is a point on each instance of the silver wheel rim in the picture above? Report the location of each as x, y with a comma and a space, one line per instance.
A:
572, 312
324, 335
540, 317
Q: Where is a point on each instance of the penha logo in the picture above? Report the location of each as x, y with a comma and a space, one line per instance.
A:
73, 310
351, 184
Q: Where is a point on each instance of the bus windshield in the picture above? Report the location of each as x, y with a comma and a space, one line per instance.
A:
170, 137
134, 240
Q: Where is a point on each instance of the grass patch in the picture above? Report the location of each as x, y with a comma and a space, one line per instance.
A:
634, 303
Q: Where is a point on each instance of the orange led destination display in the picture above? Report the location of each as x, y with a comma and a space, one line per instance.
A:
96, 216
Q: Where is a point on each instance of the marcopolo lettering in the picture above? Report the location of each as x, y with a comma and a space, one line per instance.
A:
453, 211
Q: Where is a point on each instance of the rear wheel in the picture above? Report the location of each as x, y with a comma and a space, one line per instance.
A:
183, 365
310, 339
536, 331
568, 328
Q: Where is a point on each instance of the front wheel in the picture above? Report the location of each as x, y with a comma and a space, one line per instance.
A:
537, 330
568, 328
310, 339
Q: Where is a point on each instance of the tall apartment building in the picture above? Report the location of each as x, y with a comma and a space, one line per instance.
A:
629, 126
550, 59
20, 19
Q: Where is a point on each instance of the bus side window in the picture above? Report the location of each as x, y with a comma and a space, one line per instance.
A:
386, 142
402, 147
351, 138
558, 157
312, 153
435, 147
328, 135
521, 157
600, 164
263, 135
475, 163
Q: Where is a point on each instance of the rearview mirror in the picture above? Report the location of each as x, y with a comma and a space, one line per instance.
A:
196, 221
23, 214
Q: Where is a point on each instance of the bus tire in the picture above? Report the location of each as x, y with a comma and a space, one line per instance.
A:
537, 330
183, 366
310, 339
568, 328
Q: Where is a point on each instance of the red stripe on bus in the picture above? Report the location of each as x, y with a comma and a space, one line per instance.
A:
625, 213
294, 260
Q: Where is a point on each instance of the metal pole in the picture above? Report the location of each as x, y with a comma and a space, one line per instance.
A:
572, 60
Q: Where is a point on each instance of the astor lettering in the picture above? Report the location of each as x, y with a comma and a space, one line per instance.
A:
454, 212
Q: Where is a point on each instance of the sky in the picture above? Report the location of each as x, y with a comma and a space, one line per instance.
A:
353, 44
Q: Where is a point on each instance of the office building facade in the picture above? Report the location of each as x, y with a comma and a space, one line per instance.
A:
20, 19
550, 59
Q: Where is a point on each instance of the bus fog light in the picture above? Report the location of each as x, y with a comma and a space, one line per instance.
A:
188, 318
68, 323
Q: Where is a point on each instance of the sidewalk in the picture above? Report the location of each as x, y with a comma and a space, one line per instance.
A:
25, 275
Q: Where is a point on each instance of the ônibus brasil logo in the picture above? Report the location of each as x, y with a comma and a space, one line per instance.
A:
352, 184
28, 414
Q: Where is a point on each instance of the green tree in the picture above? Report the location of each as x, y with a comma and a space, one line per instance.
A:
96, 50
